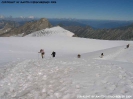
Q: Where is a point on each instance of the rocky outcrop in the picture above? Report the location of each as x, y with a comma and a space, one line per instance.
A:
28, 28
6, 26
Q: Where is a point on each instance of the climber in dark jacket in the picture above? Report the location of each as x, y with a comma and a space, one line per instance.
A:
128, 46
102, 55
53, 54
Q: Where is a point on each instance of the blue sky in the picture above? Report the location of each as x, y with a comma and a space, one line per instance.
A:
80, 9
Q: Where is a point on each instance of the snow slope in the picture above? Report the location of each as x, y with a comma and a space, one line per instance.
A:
14, 49
54, 31
24, 75
65, 79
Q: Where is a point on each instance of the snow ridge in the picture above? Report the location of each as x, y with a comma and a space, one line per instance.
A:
54, 31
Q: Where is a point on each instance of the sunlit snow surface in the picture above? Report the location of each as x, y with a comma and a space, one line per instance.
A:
24, 75
54, 31
64, 79
33, 79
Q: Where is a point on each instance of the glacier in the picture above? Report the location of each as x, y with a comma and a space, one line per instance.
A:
25, 75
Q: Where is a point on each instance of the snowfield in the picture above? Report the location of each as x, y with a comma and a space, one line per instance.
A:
24, 75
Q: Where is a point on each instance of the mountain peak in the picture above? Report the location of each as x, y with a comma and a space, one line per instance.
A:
43, 19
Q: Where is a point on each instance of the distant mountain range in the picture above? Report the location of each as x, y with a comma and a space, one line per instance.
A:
95, 24
123, 33
23, 28
65, 22
18, 19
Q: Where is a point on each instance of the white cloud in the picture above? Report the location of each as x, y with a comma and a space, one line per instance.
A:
2, 17
32, 17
